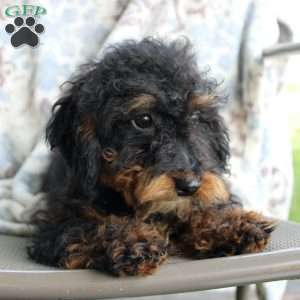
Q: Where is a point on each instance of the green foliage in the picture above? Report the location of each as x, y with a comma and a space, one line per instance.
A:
295, 210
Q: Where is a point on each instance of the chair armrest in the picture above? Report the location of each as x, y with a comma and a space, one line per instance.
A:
282, 49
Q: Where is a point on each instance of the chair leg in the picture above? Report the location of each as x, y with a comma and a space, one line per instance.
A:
261, 291
242, 292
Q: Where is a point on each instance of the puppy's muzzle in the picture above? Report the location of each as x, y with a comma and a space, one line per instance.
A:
186, 186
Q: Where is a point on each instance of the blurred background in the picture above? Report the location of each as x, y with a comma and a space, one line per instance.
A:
291, 96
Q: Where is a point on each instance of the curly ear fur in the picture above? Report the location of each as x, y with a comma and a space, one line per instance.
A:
212, 134
219, 133
78, 145
59, 129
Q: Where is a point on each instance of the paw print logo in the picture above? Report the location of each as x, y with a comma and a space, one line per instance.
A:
24, 34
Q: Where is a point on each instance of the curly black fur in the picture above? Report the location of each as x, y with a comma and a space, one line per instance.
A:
94, 207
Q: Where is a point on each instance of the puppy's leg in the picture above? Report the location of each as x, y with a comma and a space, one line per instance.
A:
71, 244
119, 245
225, 229
137, 249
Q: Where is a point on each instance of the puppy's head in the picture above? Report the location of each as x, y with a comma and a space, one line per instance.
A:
143, 121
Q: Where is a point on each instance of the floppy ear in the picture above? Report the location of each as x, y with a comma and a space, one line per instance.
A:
59, 131
73, 134
215, 130
220, 142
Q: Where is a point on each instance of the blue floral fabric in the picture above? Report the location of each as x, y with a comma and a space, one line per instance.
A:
228, 38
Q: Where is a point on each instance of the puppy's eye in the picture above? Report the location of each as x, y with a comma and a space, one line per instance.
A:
142, 122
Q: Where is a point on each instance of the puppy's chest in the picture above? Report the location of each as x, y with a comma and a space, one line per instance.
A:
180, 208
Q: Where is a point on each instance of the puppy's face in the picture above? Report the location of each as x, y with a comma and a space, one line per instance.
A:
143, 122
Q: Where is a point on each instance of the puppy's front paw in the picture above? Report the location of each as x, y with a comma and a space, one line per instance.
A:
254, 232
138, 253
228, 231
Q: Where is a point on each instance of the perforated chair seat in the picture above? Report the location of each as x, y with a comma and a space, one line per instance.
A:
20, 278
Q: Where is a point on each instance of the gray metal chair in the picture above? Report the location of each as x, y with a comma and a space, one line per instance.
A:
20, 278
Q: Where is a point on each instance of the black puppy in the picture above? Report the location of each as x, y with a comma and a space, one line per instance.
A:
137, 175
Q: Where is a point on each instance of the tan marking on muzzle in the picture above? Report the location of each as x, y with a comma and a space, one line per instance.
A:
138, 186
158, 195
212, 189
124, 182
179, 206
160, 188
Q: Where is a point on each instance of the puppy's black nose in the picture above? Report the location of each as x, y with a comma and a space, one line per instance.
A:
186, 186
